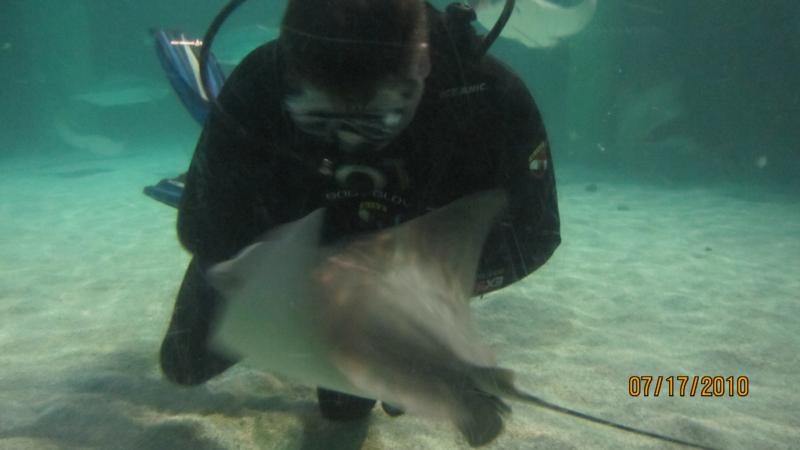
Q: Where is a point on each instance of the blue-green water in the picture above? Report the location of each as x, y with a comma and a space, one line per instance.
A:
673, 129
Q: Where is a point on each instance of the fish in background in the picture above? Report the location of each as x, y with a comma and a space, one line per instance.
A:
123, 91
96, 144
652, 135
537, 23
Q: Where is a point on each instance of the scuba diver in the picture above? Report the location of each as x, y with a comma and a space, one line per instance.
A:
379, 111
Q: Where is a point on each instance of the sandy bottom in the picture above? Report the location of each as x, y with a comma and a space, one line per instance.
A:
648, 281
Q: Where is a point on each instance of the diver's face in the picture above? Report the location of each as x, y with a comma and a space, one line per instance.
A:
359, 124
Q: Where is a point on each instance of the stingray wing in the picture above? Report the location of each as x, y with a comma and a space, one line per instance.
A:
271, 317
450, 239
538, 23
397, 309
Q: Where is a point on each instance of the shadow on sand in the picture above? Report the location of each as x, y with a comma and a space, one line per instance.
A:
124, 403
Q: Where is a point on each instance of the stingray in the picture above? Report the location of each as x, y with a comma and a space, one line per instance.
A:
537, 23
382, 315
95, 144
123, 91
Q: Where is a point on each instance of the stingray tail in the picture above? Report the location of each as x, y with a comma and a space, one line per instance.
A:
497, 382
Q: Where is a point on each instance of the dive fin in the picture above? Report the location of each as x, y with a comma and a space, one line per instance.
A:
167, 191
179, 55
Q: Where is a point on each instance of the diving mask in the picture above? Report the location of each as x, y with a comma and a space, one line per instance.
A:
356, 125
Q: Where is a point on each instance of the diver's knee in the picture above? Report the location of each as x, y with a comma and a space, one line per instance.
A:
170, 368
174, 365
181, 378
190, 368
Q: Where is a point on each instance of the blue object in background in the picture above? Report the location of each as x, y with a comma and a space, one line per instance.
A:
179, 55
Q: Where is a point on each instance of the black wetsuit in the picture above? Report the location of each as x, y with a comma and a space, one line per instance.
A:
477, 127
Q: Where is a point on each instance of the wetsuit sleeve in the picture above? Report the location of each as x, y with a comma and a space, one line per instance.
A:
219, 211
528, 234
224, 206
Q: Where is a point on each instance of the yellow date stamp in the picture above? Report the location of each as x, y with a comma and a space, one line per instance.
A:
688, 386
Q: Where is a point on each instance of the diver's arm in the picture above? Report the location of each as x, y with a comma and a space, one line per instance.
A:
528, 234
219, 213
533, 207
229, 189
